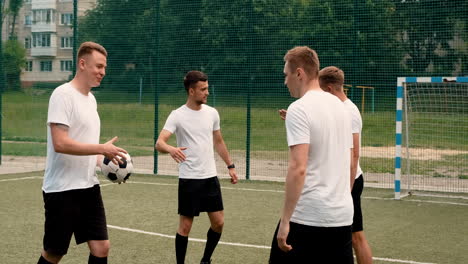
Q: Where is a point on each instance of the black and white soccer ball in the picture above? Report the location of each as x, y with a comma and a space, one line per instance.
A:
117, 173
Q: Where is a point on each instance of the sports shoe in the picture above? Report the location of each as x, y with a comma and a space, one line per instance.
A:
205, 262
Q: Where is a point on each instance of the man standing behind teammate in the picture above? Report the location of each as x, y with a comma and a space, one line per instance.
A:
316, 219
331, 80
72, 197
197, 129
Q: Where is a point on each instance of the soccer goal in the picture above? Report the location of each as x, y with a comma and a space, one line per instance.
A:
431, 152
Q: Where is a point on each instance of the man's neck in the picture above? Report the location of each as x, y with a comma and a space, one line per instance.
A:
193, 105
341, 95
312, 85
81, 86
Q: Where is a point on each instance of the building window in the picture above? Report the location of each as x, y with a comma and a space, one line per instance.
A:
27, 20
66, 42
66, 65
66, 19
29, 66
41, 40
43, 16
46, 66
27, 43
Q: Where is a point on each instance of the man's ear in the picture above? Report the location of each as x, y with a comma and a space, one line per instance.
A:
299, 72
81, 63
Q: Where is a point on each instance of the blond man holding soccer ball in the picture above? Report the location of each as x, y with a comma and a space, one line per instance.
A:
72, 197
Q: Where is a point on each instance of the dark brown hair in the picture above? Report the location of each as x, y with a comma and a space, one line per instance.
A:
192, 77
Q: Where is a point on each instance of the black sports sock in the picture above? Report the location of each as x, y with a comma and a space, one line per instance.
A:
96, 260
181, 248
211, 243
42, 260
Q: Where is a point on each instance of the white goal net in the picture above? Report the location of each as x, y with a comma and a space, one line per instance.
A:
434, 140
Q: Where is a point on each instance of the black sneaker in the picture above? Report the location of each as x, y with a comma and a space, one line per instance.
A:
205, 262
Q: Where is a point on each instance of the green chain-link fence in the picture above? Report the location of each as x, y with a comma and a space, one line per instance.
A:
240, 45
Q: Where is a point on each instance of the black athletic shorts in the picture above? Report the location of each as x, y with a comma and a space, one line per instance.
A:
312, 244
356, 194
79, 212
199, 195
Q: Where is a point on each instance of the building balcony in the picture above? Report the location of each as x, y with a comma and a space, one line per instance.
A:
44, 4
43, 51
44, 27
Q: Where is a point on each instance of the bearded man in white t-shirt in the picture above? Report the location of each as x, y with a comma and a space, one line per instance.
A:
197, 129
315, 225
72, 197
331, 80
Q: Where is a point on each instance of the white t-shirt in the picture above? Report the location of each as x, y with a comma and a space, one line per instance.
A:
194, 130
321, 120
356, 127
69, 107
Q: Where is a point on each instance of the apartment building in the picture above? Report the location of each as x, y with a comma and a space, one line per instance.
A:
45, 29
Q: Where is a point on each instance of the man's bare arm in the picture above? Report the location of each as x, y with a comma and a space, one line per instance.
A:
354, 158
222, 150
64, 144
161, 145
295, 178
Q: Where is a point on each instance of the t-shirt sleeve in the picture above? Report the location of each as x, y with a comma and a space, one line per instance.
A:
356, 121
216, 121
297, 128
171, 123
350, 127
60, 109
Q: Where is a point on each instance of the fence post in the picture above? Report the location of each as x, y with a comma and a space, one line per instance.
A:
1, 77
155, 72
75, 35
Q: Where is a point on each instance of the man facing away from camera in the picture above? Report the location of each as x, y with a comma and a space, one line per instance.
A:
331, 80
315, 225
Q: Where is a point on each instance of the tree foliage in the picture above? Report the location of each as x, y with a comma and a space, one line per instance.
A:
14, 54
14, 8
241, 43
14, 59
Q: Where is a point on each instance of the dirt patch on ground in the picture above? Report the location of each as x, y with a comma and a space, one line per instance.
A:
415, 153
271, 165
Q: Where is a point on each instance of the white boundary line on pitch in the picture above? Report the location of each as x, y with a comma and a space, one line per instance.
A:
241, 189
190, 239
23, 178
227, 188
280, 191
401, 261
414, 201
241, 244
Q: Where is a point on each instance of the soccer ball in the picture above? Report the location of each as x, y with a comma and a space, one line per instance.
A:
117, 173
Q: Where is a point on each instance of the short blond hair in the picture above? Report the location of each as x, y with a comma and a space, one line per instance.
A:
333, 76
305, 58
88, 47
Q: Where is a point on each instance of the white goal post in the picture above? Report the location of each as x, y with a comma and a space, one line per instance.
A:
431, 140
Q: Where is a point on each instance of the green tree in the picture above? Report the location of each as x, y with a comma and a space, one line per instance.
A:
433, 35
124, 29
14, 59
14, 8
